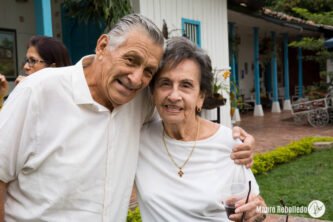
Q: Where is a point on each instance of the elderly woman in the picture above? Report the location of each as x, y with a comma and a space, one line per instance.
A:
184, 160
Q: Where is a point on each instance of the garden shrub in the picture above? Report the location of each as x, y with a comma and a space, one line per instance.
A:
263, 162
134, 215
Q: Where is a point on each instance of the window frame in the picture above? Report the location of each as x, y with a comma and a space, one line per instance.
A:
198, 26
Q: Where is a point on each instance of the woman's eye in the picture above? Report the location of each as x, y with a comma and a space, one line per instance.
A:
187, 85
164, 83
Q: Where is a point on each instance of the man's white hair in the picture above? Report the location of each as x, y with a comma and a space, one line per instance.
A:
119, 32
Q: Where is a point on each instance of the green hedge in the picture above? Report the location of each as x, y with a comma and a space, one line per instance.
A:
134, 215
263, 162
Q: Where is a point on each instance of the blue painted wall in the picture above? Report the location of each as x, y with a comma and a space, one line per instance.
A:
80, 38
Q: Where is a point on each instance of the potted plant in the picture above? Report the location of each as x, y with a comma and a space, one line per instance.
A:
216, 99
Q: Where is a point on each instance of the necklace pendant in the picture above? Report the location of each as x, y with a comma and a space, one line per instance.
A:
180, 173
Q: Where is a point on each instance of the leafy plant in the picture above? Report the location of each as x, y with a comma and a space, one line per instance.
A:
134, 215
321, 54
321, 18
107, 11
220, 85
320, 12
317, 91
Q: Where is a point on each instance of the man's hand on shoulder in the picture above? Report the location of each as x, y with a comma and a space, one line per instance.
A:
243, 153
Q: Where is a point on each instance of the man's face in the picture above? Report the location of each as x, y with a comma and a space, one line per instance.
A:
129, 68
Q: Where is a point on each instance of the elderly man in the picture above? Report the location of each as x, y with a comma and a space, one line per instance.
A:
69, 139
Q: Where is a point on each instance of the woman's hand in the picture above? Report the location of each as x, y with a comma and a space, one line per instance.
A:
19, 79
243, 153
252, 214
3, 86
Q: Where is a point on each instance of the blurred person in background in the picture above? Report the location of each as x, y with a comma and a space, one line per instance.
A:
43, 52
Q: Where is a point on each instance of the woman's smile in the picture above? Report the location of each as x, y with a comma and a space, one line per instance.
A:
173, 108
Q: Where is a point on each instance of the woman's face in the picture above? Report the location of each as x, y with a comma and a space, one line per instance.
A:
33, 61
177, 93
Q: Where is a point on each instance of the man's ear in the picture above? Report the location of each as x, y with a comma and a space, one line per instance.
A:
53, 65
102, 44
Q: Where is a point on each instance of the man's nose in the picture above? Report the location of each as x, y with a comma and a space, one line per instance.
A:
136, 78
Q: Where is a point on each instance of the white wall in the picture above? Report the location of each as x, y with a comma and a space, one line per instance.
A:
246, 55
212, 15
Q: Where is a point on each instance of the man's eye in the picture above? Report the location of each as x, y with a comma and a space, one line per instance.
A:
130, 60
149, 72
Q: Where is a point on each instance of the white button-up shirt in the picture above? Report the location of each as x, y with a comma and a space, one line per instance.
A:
64, 156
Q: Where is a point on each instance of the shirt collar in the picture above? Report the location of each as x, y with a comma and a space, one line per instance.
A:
81, 90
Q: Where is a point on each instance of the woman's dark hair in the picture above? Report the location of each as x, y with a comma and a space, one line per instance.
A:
50, 50
177, 50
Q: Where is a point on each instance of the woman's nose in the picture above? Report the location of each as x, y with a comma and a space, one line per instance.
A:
26, 66
174, 95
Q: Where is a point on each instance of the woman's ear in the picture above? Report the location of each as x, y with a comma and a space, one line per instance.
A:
53, 65
201, 99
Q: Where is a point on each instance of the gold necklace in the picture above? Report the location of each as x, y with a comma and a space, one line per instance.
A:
180, 172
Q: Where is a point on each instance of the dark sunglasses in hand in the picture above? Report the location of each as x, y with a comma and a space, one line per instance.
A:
286, 208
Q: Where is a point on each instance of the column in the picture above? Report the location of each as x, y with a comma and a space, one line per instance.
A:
269, 78
43, 17
286, 103
236, 116
300, 70
258, 111
275, 104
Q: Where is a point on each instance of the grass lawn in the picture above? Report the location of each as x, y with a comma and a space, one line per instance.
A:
299, 182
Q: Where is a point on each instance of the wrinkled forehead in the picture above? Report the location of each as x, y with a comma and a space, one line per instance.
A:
139, 30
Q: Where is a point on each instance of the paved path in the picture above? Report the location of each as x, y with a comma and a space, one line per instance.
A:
279, 218
278, 129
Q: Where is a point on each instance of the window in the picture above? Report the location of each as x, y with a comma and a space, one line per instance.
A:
191, 29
